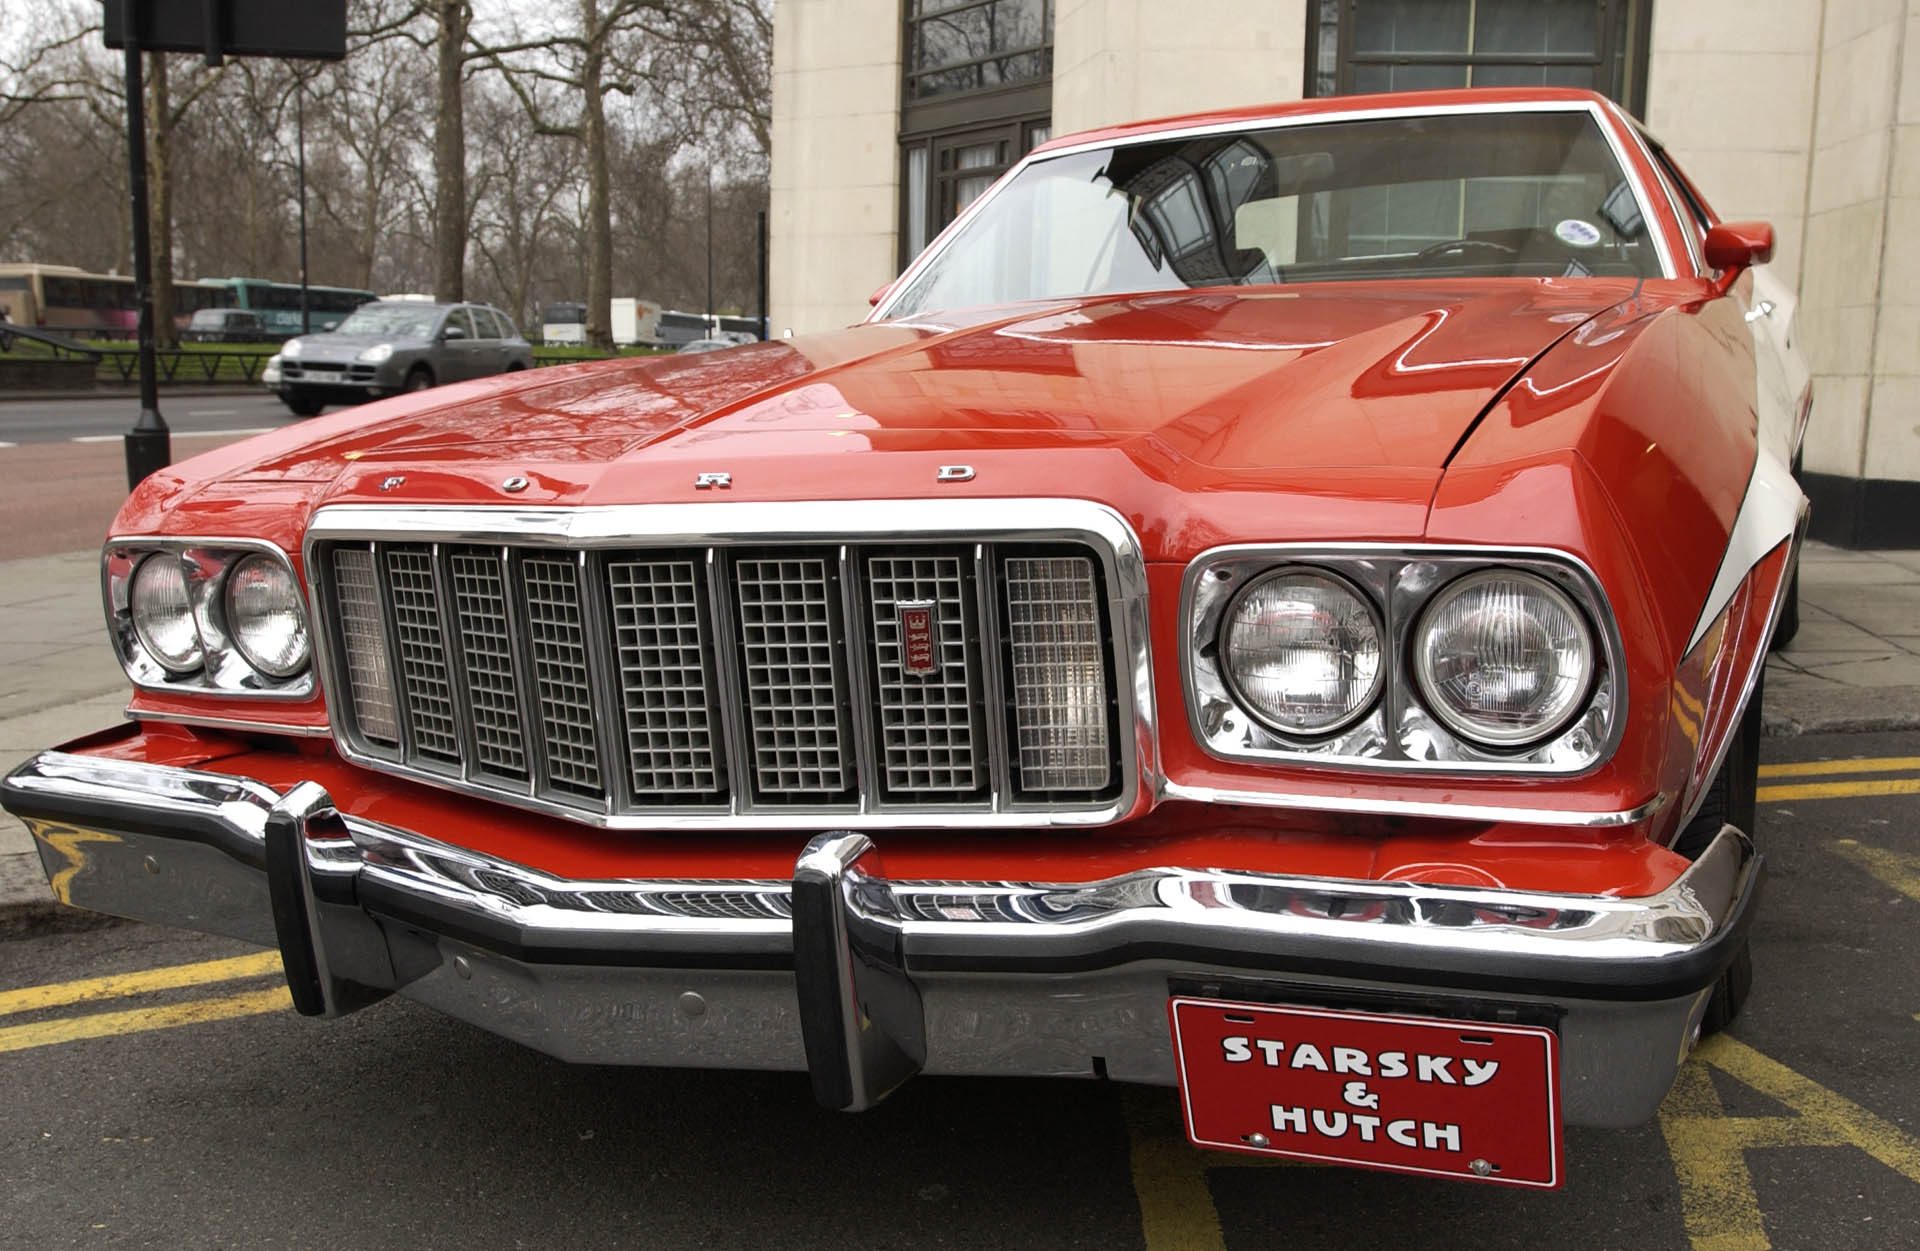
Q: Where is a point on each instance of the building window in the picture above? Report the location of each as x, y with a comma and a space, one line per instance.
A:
1412, 45
976, 96
972, 45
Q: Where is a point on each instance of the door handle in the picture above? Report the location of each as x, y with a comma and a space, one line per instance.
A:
1763, 309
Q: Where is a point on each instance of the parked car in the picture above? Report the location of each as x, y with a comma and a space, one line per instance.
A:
697, 346
391, 346
225, 325
1271, 602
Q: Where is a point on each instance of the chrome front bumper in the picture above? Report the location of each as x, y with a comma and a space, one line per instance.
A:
863, 981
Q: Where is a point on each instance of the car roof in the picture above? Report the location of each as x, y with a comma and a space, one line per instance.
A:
1489, 98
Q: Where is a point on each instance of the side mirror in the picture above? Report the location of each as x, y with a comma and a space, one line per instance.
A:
453, 332
879, 294
1733, 247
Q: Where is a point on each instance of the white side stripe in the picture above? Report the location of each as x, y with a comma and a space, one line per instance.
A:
1768, 516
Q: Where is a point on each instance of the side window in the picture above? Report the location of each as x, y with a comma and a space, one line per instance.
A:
483, 327
502, 324
460, 317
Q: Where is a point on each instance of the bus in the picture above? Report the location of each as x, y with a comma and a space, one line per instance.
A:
563, 321
278, 303
677, 328
70, 300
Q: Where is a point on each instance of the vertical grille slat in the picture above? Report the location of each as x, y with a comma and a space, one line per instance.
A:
486, 648
904, 678
556, 640
930, 739
660, 637
792, 677
428, 687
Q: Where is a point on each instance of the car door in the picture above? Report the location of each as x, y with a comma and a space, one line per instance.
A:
459, 347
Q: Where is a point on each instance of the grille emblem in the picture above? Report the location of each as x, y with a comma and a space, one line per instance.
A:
515, 484
917, 626
396, 480
954, 473
707, 481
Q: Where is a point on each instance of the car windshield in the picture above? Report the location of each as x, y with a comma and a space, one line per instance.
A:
394, 321
1464, 194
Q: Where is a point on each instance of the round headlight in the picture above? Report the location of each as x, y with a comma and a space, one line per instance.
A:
1503, 657
162, 613
1301, 650
264, 616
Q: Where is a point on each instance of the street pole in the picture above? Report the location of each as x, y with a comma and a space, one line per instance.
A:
713, 323
760, 271
300, 127
149, 444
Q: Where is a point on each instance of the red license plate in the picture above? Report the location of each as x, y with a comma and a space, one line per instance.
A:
1413, 1094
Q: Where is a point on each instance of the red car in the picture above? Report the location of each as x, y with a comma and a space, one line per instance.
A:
1271, 603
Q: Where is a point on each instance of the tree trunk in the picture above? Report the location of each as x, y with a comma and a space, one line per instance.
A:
599, 209
450, 156
160, 191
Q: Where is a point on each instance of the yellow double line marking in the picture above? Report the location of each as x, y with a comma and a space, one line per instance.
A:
138, 1020
1791, 790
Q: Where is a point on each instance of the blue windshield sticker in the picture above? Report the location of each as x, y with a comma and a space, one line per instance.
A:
1577, 234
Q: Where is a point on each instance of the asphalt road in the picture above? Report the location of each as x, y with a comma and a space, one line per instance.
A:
70, 452
121, 1125
29, 420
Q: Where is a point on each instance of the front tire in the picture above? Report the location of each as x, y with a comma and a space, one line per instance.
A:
1731, 799
303, 404
419, 378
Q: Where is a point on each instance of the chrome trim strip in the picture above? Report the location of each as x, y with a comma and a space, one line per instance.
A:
716, 526
1608, 129
1400, 608
1559, 818
224, 667
1681, 217
229, 723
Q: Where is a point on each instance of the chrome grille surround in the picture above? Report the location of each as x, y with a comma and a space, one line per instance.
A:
649, 783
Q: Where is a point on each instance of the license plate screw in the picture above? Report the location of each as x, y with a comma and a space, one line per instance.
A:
1481, 1168
1257, 1140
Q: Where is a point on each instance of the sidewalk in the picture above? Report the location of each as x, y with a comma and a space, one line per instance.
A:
1855, 667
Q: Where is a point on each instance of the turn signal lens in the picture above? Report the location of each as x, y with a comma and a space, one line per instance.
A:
162, 614
265, 618
1059, 671
1504, 658
1301, 649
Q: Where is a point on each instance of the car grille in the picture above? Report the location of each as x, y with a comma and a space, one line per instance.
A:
728, 680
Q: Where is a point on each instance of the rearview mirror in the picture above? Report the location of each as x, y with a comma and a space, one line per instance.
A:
879, 294
453, 332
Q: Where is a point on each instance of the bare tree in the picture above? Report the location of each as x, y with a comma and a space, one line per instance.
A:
165, 113
584, 57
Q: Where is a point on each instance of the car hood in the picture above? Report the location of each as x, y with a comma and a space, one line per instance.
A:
348, 346
1324, 410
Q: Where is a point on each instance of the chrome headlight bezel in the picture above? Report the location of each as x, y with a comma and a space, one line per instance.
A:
1399, 733
205, 562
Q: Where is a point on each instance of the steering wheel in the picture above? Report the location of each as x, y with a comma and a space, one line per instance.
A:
1434, 251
